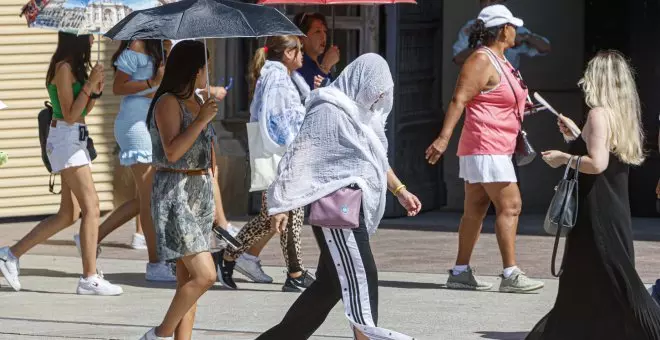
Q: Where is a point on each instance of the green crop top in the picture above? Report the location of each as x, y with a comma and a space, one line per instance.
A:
55, 100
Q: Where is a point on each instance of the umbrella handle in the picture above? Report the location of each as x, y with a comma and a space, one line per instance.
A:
208, 83
332, 34
98, 50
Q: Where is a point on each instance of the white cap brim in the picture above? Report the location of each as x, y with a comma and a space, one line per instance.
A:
501, 21
517, 22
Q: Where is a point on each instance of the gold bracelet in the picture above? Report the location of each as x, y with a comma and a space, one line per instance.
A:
398, 189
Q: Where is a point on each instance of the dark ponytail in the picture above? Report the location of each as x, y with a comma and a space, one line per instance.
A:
482, 36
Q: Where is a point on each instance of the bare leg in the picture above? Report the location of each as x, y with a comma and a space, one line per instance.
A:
258, 247
67, 215
138, 223
220, 217
119, 217
138, 226
81, 183
184, 329
202, 276
144, 175
508, 204
475, 209
359, 335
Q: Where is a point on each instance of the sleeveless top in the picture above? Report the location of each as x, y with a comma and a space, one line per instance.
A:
197, 157
55, 100
491, 124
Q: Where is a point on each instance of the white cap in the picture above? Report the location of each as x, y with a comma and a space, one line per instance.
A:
498, 15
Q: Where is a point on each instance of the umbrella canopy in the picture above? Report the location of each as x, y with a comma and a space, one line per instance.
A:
82, 16
335, 2
196, 19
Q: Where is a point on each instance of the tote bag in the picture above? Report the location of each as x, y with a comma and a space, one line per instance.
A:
263, 163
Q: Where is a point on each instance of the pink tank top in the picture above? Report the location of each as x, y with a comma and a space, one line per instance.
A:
491, 124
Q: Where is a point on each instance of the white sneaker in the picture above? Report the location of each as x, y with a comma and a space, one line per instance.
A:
250, 266
139, 242
97, 285
10, 268
76, 238
151, 335
160, 272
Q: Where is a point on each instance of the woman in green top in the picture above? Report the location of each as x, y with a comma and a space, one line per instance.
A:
72, 92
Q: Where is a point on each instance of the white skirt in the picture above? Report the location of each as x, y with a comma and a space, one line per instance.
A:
487, 169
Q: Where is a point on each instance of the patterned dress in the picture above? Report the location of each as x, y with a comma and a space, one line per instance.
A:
182, 205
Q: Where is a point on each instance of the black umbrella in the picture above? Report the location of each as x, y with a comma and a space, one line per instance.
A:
196, 19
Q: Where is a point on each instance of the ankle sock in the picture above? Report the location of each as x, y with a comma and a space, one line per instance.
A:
459, 269
11, 255
508, 271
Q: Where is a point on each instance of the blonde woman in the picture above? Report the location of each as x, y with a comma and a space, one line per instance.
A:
600, 294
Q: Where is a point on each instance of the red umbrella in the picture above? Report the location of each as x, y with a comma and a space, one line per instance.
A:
335, 2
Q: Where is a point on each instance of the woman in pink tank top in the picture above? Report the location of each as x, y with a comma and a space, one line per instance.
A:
493, 95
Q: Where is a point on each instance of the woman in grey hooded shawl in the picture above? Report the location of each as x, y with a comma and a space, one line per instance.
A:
341, 142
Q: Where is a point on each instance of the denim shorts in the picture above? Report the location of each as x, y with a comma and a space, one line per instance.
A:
67, 146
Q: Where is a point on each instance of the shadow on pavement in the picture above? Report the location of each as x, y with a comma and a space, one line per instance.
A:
138, 280
71, 243
503, 335
410, 285
47, 273
644, 228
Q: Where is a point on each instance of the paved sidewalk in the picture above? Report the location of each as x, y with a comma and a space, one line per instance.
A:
415, 304
412, 255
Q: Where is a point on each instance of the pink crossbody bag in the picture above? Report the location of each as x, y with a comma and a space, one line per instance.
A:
339, 210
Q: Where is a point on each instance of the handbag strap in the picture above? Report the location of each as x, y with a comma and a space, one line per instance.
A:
503, 74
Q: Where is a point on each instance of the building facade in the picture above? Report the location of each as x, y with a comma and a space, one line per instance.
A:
24, 58
417, 42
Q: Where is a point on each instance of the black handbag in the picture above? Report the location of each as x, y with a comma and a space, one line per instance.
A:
524, 152
44, 118
563, 210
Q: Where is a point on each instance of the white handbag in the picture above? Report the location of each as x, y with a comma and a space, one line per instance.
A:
263, 163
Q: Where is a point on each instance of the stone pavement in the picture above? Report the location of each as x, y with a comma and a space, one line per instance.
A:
412, 254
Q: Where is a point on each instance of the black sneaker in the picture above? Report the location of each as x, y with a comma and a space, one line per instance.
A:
225, 270
298, 284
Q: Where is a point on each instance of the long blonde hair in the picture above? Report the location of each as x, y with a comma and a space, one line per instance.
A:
273, 50
609, 83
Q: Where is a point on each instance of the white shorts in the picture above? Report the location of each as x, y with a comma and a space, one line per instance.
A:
487, 169
67, 146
